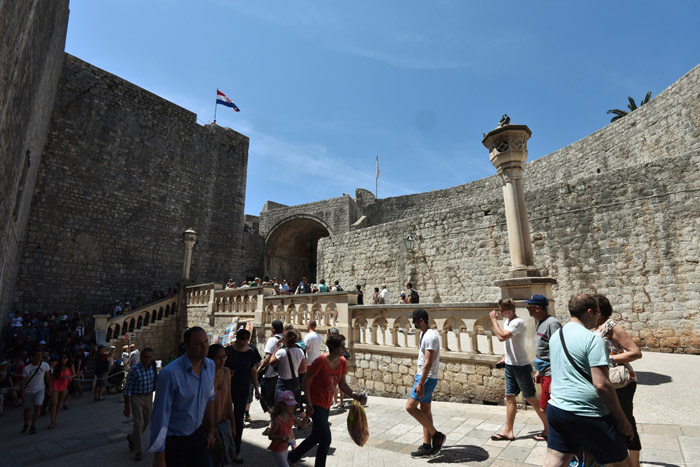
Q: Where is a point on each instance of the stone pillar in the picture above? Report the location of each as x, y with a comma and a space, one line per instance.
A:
101, 328
507, 147
190, 238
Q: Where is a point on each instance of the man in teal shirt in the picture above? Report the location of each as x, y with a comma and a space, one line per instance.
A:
584, 411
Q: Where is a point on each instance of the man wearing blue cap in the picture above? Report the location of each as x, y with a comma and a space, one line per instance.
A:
546, 326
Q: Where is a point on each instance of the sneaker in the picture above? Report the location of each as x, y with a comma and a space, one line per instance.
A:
438, 441
25, 428
423, 451
32, 430
246, 417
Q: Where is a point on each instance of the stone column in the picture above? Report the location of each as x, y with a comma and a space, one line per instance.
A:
101, 328
190, 238
507, 147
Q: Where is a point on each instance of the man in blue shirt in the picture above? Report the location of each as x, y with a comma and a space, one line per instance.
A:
138, 398
182, 424
584, 411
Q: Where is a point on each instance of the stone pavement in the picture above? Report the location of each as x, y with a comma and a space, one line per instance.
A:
667, 407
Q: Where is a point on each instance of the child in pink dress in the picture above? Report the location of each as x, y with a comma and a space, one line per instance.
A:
281, 427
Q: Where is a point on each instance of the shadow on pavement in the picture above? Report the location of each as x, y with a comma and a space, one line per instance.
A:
460, 454
648, 378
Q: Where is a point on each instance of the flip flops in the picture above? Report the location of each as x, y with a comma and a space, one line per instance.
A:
500, 437
540, 437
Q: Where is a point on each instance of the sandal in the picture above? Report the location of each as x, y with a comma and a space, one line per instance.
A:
53, 425
500, 437
540, 437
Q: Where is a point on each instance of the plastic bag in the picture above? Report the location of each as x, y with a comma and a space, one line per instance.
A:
357, 424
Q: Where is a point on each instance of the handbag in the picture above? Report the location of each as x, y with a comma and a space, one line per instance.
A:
619, 376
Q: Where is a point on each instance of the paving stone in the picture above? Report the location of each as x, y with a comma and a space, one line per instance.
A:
514, 453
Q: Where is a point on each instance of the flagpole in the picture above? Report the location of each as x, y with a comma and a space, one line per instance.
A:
376, 180
215, 104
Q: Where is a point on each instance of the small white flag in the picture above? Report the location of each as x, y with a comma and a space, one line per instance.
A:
378, 173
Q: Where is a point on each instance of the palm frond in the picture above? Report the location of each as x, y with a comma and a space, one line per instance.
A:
632, 105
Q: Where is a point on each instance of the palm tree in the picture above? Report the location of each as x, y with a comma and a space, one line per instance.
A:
631, 106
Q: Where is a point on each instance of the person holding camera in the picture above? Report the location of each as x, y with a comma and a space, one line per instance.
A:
518, 369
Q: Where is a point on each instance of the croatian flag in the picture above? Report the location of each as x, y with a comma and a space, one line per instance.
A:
222, 99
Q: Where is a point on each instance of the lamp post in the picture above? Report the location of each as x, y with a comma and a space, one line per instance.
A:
190, 238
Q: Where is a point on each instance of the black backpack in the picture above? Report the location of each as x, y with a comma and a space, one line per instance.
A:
414, 296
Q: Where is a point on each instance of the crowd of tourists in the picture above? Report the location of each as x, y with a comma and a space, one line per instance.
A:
41, 363
380, 295
203, 396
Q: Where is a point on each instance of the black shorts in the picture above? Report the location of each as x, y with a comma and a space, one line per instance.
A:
568, 433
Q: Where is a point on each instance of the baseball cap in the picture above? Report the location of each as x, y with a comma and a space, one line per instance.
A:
420, 313
287, 397
539, 300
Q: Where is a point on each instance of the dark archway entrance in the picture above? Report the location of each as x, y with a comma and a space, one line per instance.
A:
291, 247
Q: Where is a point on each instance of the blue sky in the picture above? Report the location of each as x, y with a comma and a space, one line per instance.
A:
326, 86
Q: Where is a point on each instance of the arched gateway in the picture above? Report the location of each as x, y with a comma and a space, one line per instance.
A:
291, 247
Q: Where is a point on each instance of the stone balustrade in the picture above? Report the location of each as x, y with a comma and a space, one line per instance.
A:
465, 329
380, 338
141, 317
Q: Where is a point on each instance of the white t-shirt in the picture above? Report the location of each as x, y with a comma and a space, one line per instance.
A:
270, 349
313, 342
282, 367
37, 382
429, 340
134, 358
384, 295
515, 346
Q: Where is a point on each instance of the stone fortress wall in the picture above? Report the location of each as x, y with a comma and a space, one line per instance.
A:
124, 173
31, 56
338, 213
614, 213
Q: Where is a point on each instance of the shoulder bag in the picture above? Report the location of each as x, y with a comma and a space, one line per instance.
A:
296, 385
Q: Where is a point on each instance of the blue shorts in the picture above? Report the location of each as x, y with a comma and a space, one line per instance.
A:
429, 387
32, 399
519, 378
568, 433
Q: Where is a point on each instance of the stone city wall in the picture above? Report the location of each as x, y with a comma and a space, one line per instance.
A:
667, 126
125, 172
31, 55
632, 234
391, 375
614, 213
338, 213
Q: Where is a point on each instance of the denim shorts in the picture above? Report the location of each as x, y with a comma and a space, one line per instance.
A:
519, 378
429, 387
569, 432
32, 399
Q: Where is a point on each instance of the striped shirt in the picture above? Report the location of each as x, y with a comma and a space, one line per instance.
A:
140, 380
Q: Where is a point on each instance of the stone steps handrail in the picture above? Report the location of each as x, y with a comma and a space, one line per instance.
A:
140, 317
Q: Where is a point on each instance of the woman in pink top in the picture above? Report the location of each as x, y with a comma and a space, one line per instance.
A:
61, 375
